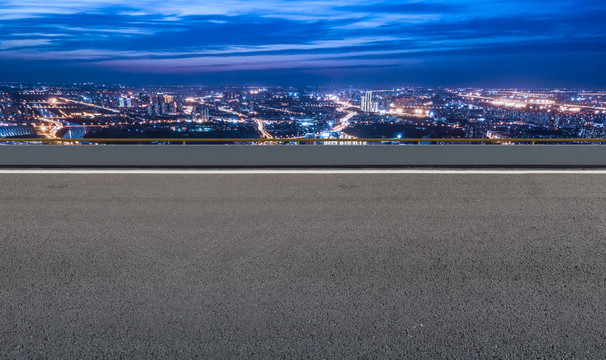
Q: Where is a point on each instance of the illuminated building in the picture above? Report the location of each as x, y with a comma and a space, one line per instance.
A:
367, 105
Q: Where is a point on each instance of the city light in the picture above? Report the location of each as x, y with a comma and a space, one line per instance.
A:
276, 112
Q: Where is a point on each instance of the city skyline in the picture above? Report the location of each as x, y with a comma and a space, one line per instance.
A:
93, 111
278, 42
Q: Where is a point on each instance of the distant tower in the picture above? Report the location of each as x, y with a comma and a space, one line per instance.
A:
168, 99
367, 105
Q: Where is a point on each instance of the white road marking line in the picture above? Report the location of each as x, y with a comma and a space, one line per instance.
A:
303, 171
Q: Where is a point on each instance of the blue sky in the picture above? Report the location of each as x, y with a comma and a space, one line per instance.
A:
441, 42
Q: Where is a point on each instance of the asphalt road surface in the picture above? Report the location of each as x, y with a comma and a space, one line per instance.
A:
303, 266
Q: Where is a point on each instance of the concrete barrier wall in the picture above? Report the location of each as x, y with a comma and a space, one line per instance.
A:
280, 155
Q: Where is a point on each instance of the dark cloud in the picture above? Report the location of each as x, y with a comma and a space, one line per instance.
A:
406, 7
345, 41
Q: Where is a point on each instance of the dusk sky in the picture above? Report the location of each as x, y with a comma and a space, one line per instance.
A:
372, 43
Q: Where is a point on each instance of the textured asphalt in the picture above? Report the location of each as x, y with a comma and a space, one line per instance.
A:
303, 266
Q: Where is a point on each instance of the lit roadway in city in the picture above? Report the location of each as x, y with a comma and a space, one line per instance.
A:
344, 122
261, 127
91, 105
50, 131
231, 111
563, 107
52, 126
281, 110
260, 124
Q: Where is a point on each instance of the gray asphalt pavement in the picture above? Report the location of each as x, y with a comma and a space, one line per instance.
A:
303, 266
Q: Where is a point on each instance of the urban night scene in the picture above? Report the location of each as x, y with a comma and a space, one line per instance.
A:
315, 69
303, 179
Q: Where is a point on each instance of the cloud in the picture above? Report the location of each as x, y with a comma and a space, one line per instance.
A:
28, 43
194, 36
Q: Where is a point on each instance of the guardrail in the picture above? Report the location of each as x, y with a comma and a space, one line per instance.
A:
129, 153
419, 141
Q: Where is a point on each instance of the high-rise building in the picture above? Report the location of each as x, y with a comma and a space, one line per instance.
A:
367, 105
202, 114
125, 102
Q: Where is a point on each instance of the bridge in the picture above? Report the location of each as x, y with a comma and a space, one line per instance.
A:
7, 131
